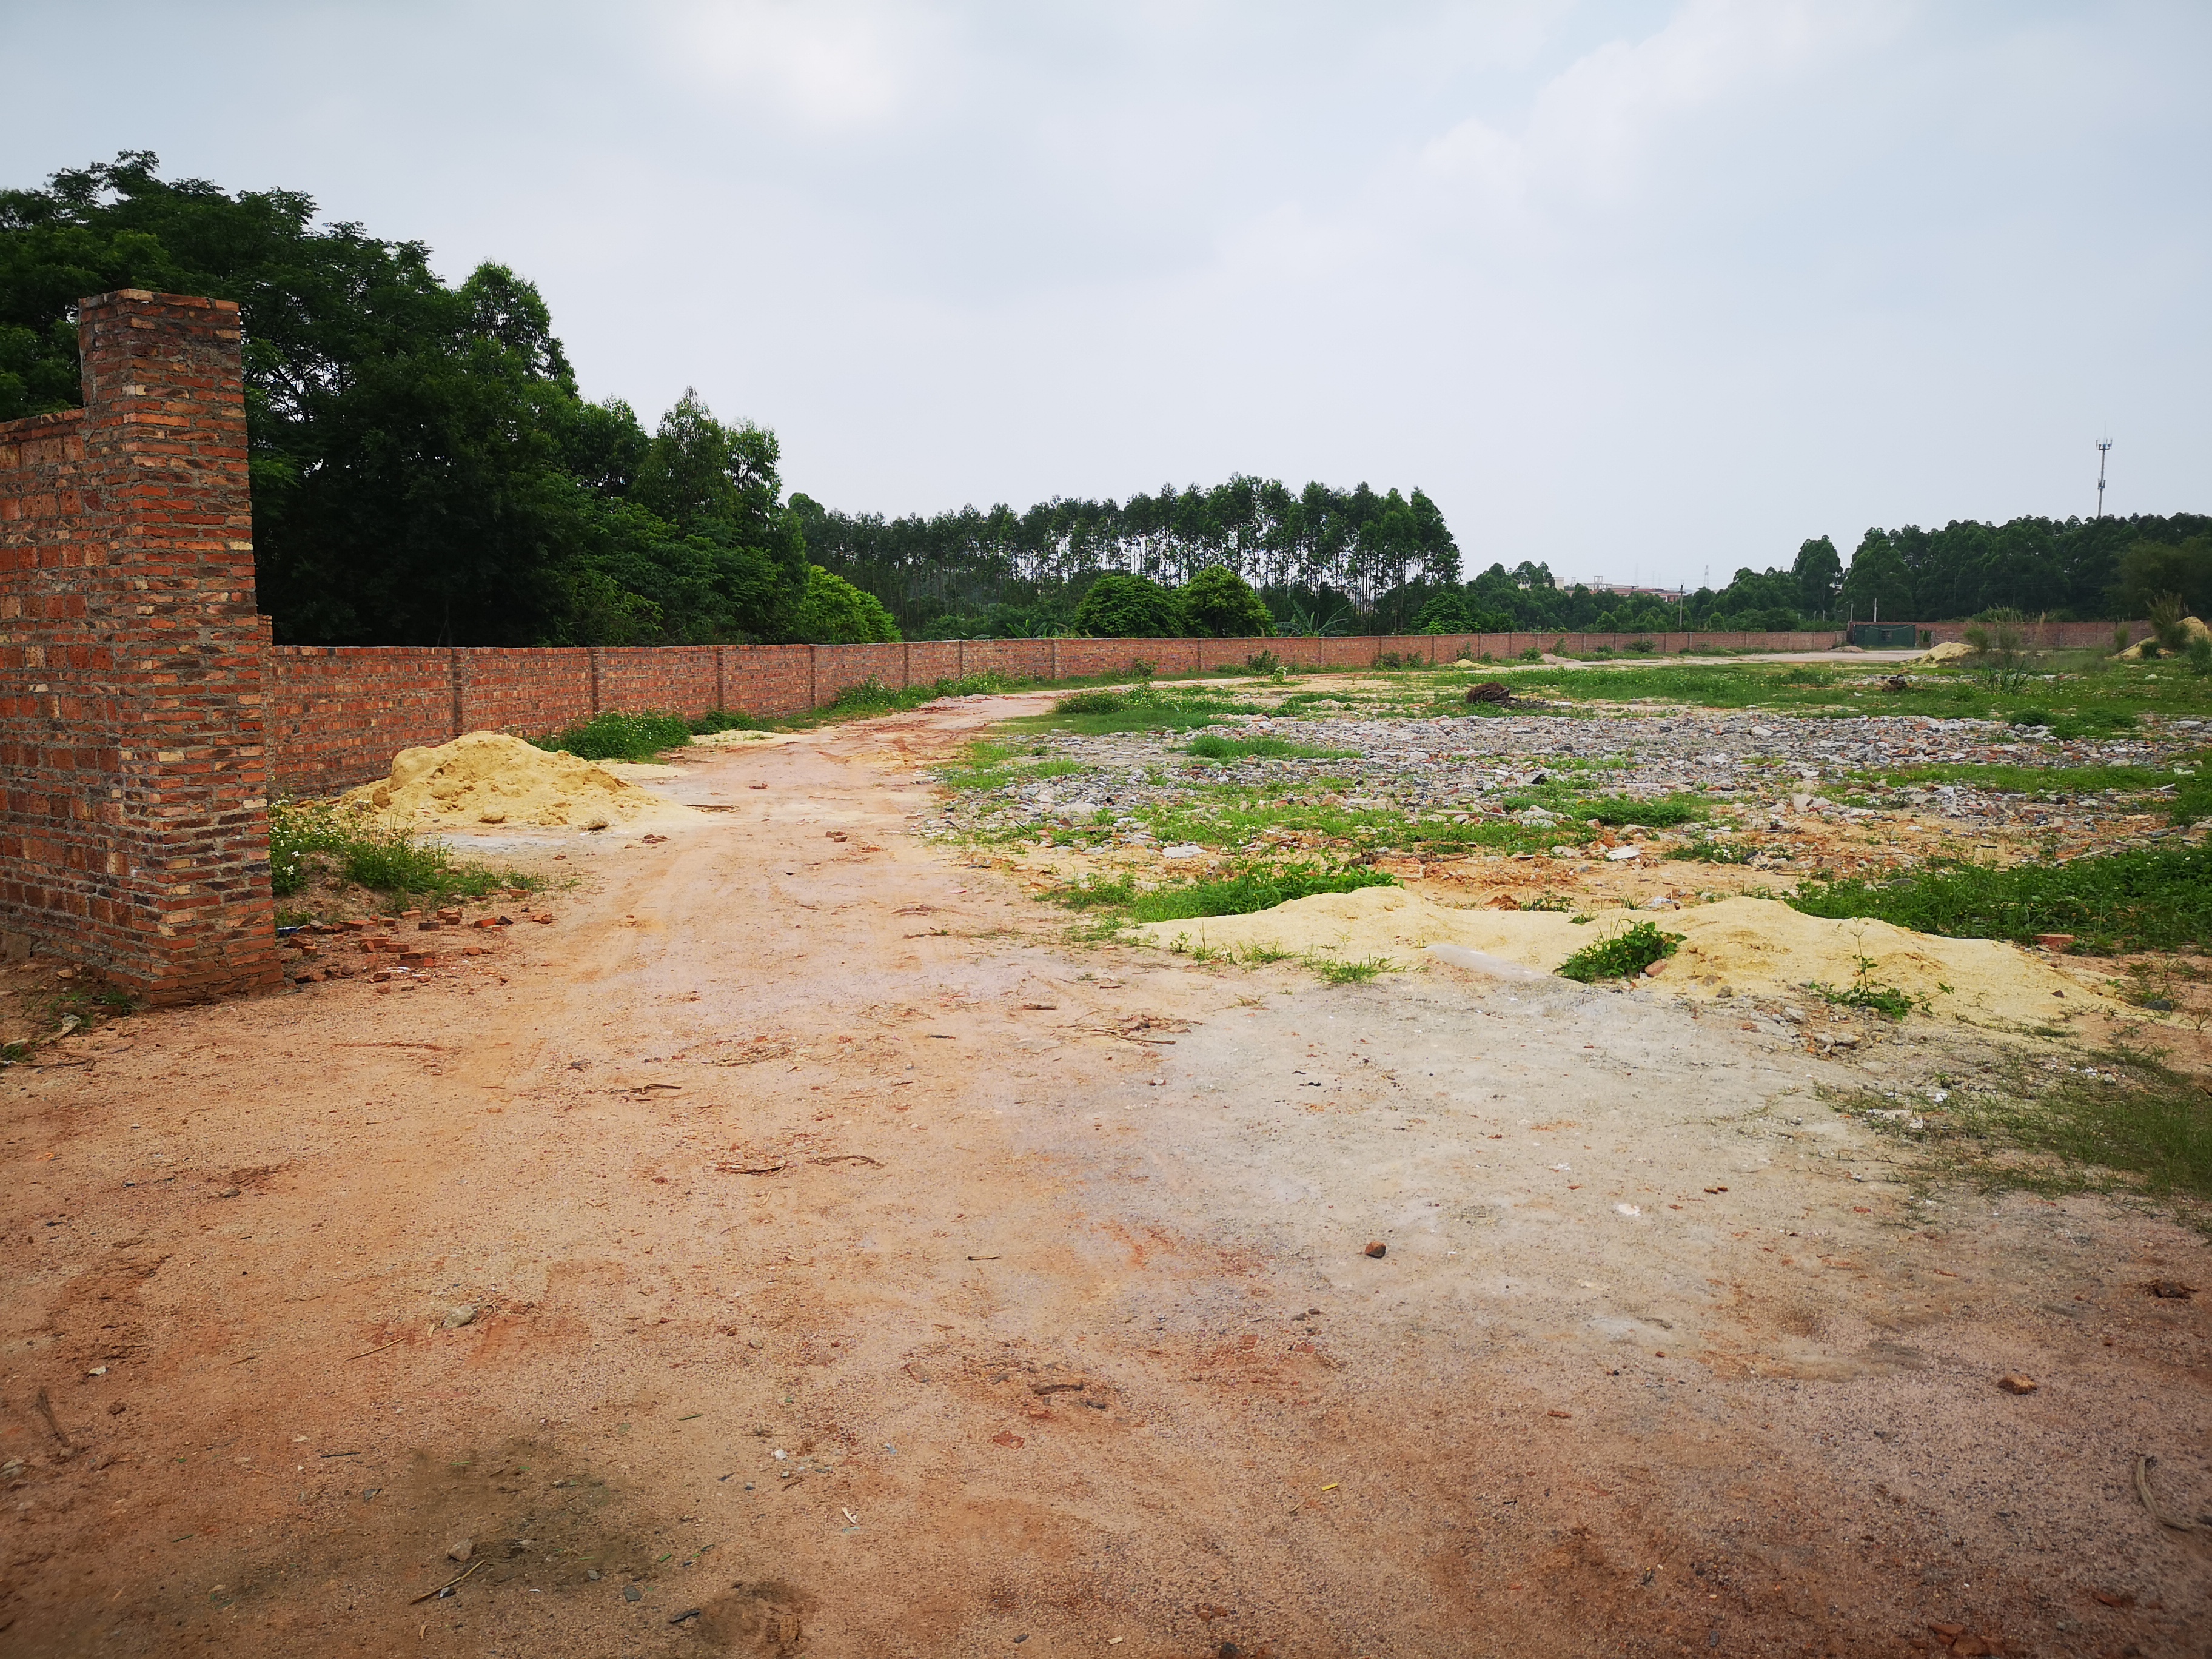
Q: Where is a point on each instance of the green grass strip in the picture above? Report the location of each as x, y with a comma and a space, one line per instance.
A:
2150, 898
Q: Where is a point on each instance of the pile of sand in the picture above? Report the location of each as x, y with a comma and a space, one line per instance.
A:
1757, 947
489, 778
1949, 651
2196, 630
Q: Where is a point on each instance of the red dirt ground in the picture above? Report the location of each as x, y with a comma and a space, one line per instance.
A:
1044, 1267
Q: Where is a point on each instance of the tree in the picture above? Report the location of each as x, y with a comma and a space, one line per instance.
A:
835, 613
1878, 581
1819, 572
1219, 604
2150, 570
1445, 613
1120, 606
423, 470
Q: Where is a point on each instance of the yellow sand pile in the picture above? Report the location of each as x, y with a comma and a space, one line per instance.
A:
1949, 651
1758, 947
489, 778
2196, 630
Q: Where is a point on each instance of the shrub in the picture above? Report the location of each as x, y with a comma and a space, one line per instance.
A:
1445, 613
835, 613
1220, 605
2166, 614
1120, 606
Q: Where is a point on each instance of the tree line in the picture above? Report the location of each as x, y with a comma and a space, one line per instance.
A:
425, 470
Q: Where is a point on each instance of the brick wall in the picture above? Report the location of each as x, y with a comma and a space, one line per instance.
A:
133, 830
338, 715
144, 714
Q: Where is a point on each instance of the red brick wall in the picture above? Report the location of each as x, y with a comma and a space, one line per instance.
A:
528, 690
338, 713
133, 827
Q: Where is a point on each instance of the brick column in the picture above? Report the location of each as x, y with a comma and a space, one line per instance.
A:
134, 832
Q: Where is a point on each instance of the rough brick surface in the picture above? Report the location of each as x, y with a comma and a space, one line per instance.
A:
133, 826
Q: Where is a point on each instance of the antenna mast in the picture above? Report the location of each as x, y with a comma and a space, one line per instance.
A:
2104, 446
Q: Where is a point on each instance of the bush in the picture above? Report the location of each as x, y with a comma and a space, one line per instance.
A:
615, 736
1444, 613
1219, 604
1120, 606
835, 613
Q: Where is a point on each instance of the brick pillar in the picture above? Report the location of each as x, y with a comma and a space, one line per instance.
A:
134, 834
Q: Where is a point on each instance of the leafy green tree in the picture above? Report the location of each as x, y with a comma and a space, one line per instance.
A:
835, 613
1878, 581
423, 470
1220, 605
1819, 573
1120, 606
1445, 613
2150, 570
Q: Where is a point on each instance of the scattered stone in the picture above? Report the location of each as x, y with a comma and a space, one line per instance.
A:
632, 1593
464, 1315
2058, 943
460, 1549
2014, 1382
1377, 1248
2172, 1289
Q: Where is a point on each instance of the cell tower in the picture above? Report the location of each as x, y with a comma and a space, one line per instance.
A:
2103, 448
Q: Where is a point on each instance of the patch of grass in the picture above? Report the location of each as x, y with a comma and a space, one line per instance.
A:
1711, 849
1864, 993
1239, 892
1659, 812
308, 838
2083, 696
1143, 708
1625, 954
1212, 745
2142, 899
2124, 1120
619, 736
726, 720
1338, 971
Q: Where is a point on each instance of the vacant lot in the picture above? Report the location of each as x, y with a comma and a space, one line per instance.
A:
801, 1241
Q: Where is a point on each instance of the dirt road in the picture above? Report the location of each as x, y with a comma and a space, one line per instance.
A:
857, 1269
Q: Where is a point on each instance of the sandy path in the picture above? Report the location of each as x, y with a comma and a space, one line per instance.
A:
1044, 1267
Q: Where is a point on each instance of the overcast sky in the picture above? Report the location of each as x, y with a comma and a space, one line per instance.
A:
1634, 287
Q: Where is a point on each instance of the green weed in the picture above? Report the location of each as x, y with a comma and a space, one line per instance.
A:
619, 736
312, 838
1622, 956
1337, 971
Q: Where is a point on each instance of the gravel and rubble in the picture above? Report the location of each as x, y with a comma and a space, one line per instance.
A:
1782, 790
